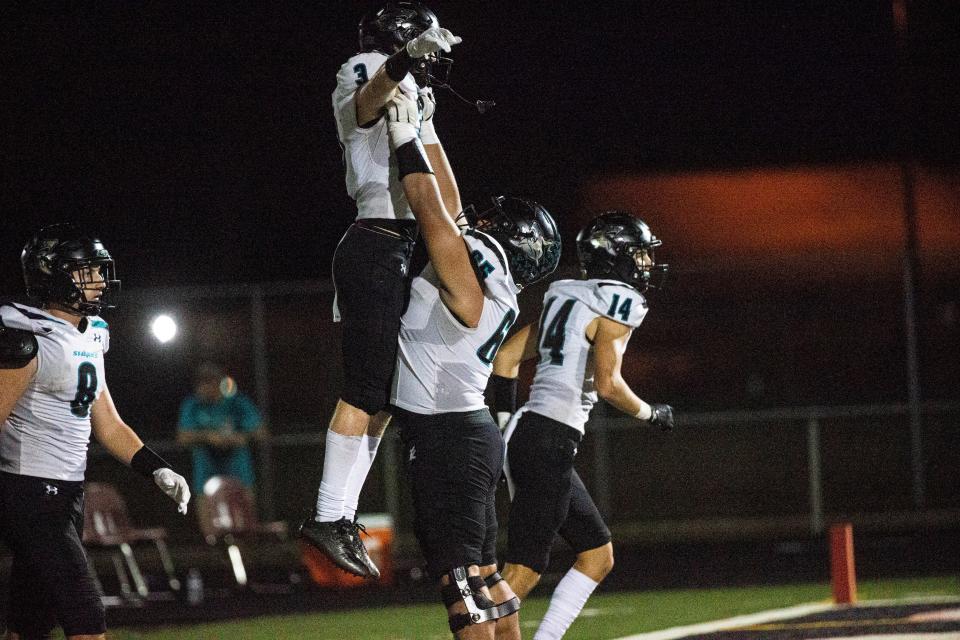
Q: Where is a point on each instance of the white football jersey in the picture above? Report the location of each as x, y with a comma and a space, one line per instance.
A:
371, 168
563, 384
442, 365
47, 433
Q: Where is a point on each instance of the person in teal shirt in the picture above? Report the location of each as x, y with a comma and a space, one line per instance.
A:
217, 423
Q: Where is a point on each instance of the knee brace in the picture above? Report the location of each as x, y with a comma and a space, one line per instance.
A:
467, 589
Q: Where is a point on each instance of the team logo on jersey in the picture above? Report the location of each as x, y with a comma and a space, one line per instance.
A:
51, 490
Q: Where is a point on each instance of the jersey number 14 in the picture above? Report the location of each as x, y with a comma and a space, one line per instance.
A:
555, 332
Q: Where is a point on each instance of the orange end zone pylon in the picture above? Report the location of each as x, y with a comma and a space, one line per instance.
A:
843, 576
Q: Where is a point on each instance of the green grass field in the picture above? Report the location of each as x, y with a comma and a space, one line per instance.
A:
606, 616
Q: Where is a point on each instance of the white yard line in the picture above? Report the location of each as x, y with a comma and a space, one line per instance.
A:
738, 621
794, 612
950, 635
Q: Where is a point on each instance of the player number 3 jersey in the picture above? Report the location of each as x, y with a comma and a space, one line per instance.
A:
47, 433
443, 365
371, 169
563, 386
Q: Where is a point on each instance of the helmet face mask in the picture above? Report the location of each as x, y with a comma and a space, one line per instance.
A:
395, 24
67, 267
527, 233
618, 246
434, 71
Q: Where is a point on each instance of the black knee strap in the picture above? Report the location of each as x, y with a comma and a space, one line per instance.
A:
493, 579
508, 607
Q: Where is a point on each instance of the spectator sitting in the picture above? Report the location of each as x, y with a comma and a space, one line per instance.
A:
217, 423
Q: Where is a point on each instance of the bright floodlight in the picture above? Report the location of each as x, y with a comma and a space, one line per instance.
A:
164, 328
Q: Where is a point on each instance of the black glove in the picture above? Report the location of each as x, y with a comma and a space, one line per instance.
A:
661, 415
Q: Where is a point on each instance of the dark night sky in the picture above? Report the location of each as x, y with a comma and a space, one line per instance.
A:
199, 140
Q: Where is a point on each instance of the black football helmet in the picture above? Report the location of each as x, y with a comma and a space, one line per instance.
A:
395, 24
57, 262
614, 244
527, 233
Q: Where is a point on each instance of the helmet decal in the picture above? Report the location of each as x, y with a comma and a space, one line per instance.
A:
528, 235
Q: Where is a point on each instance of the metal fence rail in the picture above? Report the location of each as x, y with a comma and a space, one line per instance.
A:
781, 470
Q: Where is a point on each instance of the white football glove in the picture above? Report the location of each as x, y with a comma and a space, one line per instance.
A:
403, 120
174, 485
432, 40
503, 419
428, 105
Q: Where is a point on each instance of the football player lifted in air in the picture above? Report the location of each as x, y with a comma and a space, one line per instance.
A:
400, 48
581, 338
461, 307
53, 393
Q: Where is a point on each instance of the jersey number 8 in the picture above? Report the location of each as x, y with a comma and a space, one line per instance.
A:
86, 390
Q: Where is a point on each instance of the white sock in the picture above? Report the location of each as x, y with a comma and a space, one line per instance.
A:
339, 456
565, 605
358, 475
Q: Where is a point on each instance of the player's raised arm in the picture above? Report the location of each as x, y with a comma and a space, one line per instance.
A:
461, 291
378, 91
449, 190
609, 344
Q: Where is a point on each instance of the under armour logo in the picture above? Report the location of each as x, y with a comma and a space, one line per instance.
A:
98, 338
413, 454
50, 489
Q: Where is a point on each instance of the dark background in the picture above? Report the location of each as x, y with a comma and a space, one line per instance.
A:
198, 140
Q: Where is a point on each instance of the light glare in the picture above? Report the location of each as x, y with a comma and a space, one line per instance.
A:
164, 328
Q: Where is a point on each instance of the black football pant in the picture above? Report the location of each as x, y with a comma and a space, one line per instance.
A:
372, 280
41, 522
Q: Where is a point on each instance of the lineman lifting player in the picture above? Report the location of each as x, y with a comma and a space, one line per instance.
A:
400, 48
462, 305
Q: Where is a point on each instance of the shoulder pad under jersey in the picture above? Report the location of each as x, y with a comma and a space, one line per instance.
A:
17, 348
619, 302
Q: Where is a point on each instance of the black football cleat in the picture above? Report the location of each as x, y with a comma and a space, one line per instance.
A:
361, 551
337, 540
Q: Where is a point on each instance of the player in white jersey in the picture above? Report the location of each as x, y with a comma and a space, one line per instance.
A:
400, 48
581, 338
53, 395
461, 308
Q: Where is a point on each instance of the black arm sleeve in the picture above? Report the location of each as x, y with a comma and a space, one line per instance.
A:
145, 461
503, 393
399, 65
410, 160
